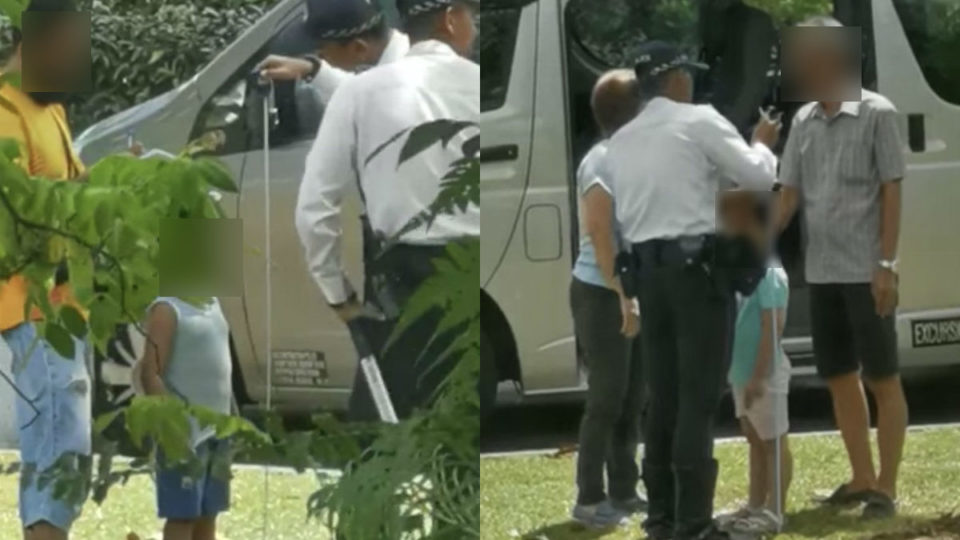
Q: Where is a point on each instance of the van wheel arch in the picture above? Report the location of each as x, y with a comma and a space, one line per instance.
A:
495, 328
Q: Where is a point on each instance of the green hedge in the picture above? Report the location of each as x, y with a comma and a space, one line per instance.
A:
143, 48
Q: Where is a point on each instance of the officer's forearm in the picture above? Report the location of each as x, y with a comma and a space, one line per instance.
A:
890, 221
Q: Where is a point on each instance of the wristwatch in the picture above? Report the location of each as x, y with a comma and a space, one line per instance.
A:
890, 265
316, 62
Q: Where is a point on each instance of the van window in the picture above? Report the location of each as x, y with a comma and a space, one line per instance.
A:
498, 39
612, 30
236, 108
933, 29
226, 113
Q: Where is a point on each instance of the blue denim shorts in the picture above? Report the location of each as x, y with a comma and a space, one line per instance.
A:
185, 495
56, 428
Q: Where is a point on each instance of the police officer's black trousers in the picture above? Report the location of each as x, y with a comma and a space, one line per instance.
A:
411, 368
687, 336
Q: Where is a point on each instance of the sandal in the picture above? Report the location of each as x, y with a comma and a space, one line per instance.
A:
761, 523
843, 496
726, 518
879, 506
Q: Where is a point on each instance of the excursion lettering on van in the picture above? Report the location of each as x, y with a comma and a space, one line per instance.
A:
931, 333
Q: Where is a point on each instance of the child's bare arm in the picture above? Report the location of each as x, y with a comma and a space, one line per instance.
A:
161, 325
761, 369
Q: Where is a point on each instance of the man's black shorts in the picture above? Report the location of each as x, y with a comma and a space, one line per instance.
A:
848, 333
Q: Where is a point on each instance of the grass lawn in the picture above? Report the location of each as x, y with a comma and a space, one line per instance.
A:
132, 508
530, 497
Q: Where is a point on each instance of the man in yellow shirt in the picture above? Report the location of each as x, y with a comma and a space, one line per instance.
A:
54, 426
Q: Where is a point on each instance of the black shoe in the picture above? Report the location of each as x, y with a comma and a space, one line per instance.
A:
695, 489
879, 506
659, 533
712, 533
843, 496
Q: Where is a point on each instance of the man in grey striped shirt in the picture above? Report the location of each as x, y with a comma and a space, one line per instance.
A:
843, 162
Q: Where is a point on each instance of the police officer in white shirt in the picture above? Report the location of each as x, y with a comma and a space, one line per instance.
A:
664, 170
351, 36
366, 125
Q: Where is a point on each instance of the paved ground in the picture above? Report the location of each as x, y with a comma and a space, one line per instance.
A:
534, 427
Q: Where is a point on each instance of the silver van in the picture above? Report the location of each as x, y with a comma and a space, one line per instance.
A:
539, 60
313, 356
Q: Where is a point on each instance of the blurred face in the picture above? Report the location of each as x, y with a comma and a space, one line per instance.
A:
737, 215
818, 69
351, 55
55, 55
817, 65
460, 26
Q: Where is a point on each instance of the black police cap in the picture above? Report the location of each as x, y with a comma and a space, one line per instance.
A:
340, 19
656, 57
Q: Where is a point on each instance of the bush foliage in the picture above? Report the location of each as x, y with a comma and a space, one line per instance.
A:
143, 48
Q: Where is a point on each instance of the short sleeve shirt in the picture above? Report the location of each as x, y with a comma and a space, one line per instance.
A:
42, 133
839, 164
773, 292
586, 268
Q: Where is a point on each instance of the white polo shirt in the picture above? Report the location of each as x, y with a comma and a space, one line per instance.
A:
365, 127
666, 167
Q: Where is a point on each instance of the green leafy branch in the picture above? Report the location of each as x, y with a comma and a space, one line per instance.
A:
105, 231
13, 9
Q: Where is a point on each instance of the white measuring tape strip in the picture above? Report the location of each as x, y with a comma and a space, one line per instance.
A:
267, 103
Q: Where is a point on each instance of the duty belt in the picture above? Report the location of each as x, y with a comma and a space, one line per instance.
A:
683, 251
732, 263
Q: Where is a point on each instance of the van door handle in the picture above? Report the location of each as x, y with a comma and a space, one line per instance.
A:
917, 132
507, 152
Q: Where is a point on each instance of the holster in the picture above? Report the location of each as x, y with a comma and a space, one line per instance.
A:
378, 289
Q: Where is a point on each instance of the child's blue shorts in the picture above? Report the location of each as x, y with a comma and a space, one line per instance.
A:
183, 497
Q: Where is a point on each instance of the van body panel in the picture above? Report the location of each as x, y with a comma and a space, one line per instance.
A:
928, 252
532, 291
503, 178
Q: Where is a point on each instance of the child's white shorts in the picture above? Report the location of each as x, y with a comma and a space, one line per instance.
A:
768, 414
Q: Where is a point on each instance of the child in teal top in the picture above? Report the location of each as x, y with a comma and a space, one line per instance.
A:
759, 372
